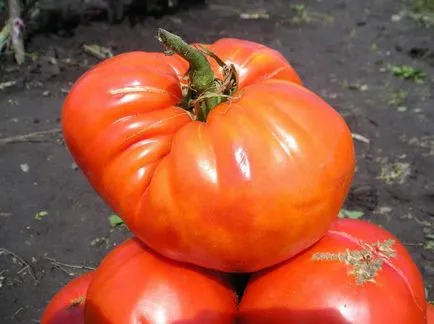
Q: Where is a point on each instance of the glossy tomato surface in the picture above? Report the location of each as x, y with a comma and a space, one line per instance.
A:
259, 181
134, 285
67, 305
358, 273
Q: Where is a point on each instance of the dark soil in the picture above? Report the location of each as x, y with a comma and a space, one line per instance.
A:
343, 50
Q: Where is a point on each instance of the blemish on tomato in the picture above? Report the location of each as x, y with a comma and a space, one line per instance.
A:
365, 263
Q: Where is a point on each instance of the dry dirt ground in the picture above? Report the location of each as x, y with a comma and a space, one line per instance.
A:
353, 53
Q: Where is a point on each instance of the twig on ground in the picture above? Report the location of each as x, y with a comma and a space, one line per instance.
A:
33, 137
35, 56
16, 30
412, 244
17, 312
425, 211
98, 51
24, 263
62, 266
360, 138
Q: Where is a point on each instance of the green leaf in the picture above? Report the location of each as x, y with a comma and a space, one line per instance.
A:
41, 214
115, 220
353, 214
4, 36
408, 73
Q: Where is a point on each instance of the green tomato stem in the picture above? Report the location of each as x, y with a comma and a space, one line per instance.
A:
202, 79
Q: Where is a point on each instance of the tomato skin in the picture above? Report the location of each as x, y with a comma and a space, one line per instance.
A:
303, 290
67, 305
269, 169
430, 313
133, 284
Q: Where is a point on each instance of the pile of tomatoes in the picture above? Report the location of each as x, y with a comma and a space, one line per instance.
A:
230, 174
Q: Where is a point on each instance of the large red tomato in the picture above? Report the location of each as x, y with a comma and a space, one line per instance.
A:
67, 305
430, 313
358, 273
133, 284
257, 182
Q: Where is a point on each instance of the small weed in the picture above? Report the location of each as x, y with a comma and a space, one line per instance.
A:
423, 5
426, 143
303, 15
298, 8
394, 173
423, 19
421, 12
408, 73
397, 97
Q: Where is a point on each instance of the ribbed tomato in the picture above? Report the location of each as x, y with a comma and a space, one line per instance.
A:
257, 179
67, 305
133, 284
358, 273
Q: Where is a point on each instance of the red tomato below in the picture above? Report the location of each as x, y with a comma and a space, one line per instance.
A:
430, 313
67, 306
357, 274
135, 285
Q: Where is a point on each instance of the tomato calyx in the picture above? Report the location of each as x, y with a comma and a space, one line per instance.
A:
365, 263
203, 91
